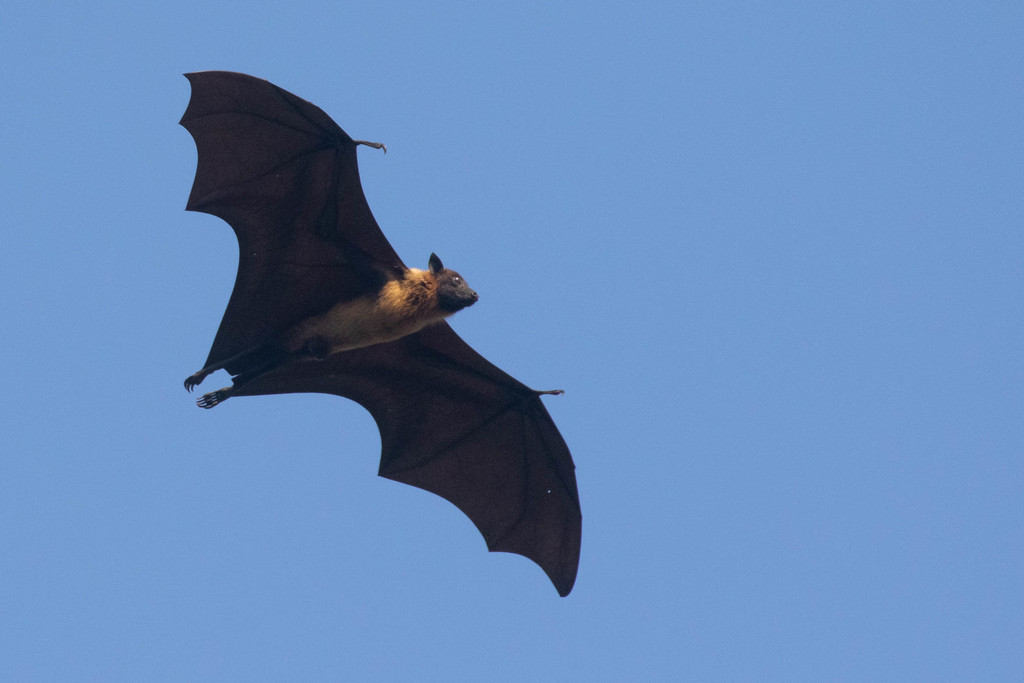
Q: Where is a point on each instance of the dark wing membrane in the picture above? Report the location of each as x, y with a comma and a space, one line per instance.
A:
454, 424
284, 176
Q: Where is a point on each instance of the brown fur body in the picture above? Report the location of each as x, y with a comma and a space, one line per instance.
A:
401, 307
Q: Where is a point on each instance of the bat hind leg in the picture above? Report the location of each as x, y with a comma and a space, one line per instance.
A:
267, 360
195, 379
257, 358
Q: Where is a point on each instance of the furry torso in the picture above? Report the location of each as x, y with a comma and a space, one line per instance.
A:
400, 308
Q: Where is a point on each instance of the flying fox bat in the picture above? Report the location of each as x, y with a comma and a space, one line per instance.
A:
322, 303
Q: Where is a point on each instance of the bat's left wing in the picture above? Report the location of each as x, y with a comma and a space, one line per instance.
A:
285, 178
454, 424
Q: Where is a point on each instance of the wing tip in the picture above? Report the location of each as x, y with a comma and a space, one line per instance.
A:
560, 567
564, 584
559, 561
562, 577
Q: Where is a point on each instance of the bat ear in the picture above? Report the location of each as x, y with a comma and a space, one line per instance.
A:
435, 264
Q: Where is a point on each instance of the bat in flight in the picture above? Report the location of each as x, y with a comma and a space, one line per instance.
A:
322, 303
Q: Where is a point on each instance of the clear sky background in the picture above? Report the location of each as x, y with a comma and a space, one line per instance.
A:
773, 252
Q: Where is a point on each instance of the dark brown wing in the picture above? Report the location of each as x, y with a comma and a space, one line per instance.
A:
284, 177
454, 424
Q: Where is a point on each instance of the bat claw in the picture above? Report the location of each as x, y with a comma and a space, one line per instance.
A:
375, 145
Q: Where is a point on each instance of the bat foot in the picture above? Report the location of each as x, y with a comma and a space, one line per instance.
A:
193, 380
214, 397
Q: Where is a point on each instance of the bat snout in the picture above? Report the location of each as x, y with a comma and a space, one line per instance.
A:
466, 297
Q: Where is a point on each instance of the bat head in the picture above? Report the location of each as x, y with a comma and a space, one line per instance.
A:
453, 294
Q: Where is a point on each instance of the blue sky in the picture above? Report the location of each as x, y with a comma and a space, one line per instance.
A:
773, 252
